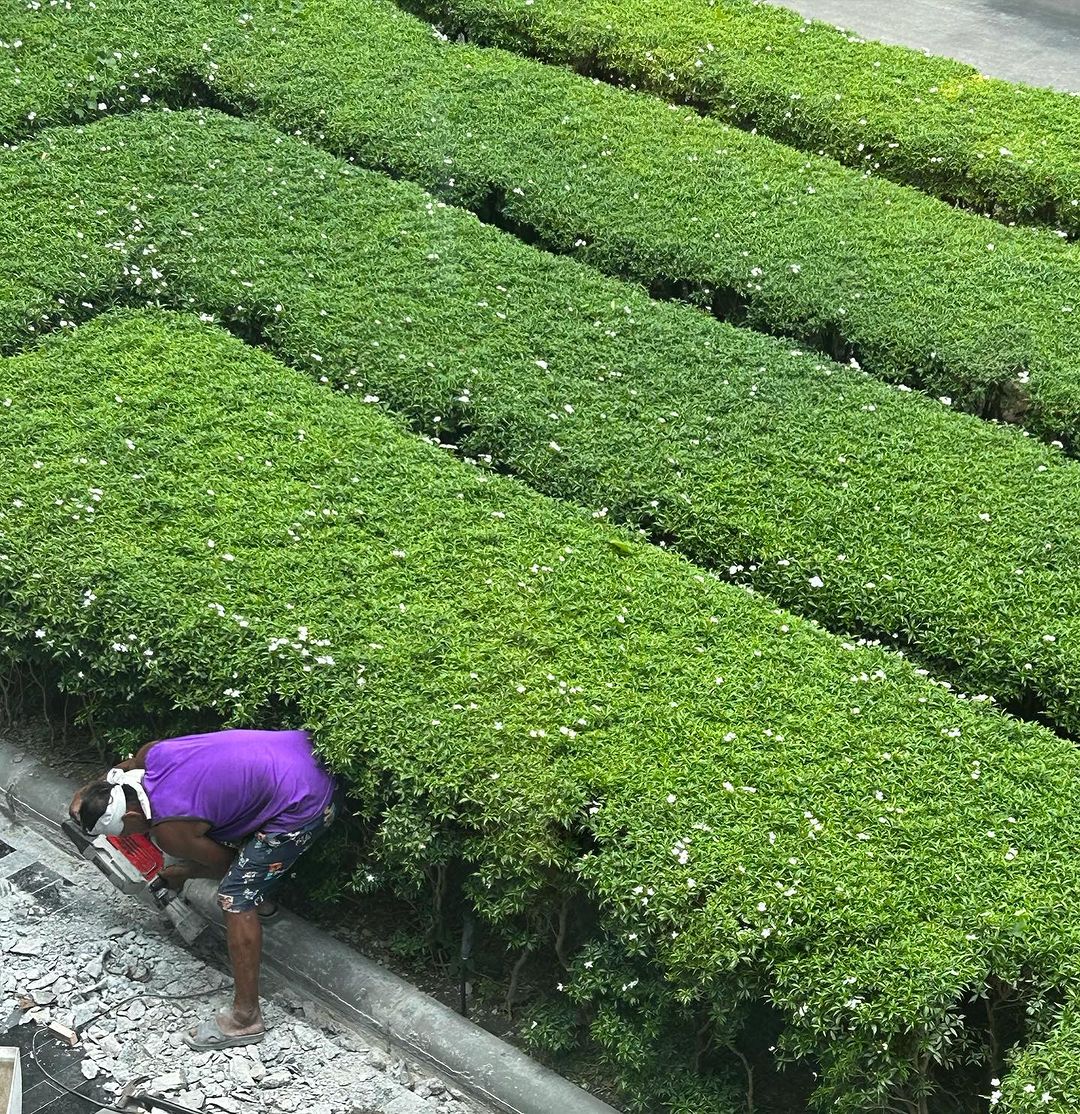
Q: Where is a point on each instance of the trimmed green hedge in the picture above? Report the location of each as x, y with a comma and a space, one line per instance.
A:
1007, 149
752, 808
871, 509
1046, 1074
854, 265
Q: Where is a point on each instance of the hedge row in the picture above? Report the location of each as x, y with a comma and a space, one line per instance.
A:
871, 509
1006, 149
1046, 1074
752, 807
852, 264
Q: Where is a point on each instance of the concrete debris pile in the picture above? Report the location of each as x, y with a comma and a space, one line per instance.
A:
90, 968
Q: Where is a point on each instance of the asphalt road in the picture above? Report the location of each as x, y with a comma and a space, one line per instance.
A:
1035, 41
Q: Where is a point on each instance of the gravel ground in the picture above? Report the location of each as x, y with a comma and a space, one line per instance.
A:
76, 951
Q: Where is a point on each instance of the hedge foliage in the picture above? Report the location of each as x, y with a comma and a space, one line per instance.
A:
872, 509
753, 808
940, 125
847, 262
1046, 1074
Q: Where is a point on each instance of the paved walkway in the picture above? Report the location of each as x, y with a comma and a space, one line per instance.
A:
1035, 41
73, 950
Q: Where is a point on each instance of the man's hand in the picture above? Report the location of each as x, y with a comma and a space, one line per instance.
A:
175, 876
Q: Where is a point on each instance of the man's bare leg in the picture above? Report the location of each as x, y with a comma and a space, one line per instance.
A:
244, 933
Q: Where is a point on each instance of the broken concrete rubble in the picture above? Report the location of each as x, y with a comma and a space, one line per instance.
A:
106, 972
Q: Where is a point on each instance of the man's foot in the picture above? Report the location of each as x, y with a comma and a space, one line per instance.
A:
225, 1030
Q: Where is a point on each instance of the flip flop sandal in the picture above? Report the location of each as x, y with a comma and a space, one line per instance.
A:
209, 1036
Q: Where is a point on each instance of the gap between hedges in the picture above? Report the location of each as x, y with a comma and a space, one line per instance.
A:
915, 289
508, 688
1004, 149
729, 305
860, 506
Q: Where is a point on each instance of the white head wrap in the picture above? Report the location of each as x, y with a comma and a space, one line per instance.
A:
111, 821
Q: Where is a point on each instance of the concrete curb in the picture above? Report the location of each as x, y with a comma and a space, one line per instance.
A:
351, 985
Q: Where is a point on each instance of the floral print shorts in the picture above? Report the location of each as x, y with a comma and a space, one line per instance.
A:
267, 857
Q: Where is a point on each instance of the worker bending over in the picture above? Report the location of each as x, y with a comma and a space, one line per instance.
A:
237, 805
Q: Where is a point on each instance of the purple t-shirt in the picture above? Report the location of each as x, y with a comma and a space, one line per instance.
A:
239, 782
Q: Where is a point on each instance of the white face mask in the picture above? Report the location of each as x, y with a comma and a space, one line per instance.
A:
111, 821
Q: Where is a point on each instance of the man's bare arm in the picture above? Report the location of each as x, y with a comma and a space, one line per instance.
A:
187, 839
